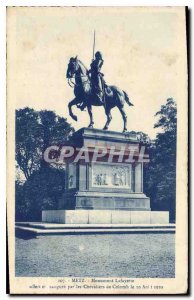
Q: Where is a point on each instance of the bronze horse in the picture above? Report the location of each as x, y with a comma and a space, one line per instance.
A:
83, 93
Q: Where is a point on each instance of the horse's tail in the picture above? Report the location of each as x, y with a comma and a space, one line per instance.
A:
127, 99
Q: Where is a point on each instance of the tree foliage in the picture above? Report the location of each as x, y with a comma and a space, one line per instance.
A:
41, 191
35, 131
44, 184
160, 173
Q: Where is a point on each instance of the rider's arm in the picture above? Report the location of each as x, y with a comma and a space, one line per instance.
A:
100, 63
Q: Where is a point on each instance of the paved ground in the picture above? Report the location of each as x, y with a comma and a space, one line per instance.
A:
128, 255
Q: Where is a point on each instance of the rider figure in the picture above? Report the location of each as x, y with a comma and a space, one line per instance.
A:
96, 78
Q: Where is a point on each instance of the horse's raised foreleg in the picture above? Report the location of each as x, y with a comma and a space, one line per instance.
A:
109, 118
124, 116
89, 107
75, 101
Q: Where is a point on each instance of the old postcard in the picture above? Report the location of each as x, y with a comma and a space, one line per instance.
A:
97, 142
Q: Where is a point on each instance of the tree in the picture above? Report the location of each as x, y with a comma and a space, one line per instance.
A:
42, 191
168, 117
161, 171
36, 130
44, 184
21, 206
143, 137
28, 141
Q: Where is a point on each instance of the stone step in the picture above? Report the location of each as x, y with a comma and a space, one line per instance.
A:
103, 230
91, 226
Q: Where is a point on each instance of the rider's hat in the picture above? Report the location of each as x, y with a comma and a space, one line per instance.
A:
98, 55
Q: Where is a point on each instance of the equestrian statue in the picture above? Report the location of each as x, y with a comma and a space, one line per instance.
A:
91, 89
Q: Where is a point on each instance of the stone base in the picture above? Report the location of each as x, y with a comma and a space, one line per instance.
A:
105, 217
106, 201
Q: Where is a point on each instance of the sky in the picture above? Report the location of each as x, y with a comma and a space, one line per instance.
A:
144, 52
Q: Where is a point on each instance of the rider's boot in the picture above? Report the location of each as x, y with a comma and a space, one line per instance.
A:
100, 96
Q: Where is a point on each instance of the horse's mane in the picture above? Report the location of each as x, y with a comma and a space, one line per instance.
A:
83, 67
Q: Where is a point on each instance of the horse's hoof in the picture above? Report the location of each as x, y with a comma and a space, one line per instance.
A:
90, 126
124, 130
105, 128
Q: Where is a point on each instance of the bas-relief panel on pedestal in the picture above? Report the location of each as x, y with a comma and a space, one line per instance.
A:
111, 176
72, 176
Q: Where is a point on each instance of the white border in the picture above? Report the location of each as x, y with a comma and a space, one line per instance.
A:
3, 150
95, 3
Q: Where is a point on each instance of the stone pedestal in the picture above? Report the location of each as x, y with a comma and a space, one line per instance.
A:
104, 183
